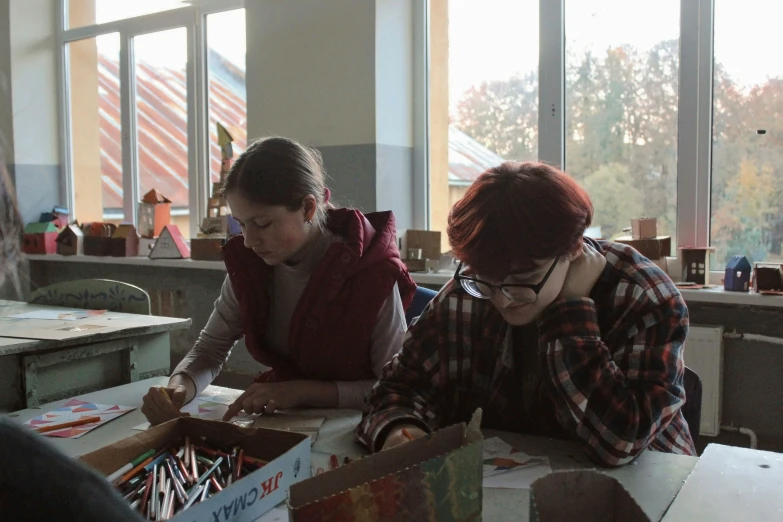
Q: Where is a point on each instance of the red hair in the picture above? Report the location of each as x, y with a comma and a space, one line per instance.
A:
516, 214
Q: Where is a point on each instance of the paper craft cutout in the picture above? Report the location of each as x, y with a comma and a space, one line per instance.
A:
508, 468
74, 410
209, 406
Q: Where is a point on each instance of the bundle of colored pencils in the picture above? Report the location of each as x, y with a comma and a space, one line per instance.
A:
164, 483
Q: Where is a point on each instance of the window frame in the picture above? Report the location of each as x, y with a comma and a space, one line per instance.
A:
695, 106
193, 18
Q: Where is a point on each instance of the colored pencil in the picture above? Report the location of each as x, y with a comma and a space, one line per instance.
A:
135, 470
80, 422
239, 464
333, 462
407, 434
130, 465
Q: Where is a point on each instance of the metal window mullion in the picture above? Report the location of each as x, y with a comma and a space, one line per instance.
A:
551, 82
421, 120
193, 102
64, 107
130, 176
694, 123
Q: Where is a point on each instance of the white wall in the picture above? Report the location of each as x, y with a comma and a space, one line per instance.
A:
310, 70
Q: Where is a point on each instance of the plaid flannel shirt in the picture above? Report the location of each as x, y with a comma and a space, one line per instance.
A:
605, 370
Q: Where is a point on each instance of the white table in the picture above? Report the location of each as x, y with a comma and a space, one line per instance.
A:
41, 362
729, 484
654, 479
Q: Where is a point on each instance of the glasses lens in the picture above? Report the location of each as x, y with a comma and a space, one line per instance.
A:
520, 294
476, 289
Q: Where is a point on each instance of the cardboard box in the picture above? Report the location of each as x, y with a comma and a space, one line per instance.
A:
438, 477
644, 228
652, 248
584, 495
426, 240
768, 278
207, 248
247, 499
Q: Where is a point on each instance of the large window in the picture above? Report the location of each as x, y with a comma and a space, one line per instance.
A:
622, 65
491, 97
143, 97
667, 109
747, 150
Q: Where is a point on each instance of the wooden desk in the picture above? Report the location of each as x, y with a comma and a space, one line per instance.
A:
653, 479
36, 367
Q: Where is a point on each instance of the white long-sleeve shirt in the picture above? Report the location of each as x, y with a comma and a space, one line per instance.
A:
224, 328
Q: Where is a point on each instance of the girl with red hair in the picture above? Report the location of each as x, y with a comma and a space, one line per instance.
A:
550, 333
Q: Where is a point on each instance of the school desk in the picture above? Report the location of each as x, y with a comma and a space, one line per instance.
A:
654, 479
43, 360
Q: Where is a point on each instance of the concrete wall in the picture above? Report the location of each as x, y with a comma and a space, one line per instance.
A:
337, 76
753, 395
34, 159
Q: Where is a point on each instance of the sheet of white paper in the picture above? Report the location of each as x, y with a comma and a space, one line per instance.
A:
59, 315
505, 467
209, 406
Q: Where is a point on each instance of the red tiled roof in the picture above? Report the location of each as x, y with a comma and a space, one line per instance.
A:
162, 123
161, 100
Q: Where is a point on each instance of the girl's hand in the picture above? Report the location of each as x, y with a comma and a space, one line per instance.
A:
269, 397
583, 273
163, 404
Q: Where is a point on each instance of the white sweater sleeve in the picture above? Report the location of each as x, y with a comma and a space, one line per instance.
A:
215, 342
386, 341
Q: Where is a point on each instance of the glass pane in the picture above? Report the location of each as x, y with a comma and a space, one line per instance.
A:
96, 145
622, 63
90, 12
162, 119
227, 94
747, 157
487, 112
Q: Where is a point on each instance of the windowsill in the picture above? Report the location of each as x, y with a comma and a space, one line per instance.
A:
713, 295
136, 261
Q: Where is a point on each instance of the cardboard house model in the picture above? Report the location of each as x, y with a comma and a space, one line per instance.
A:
737, 276
154, 214
125, 241
59, 216
70, 242
170, 245
768, 278
97, 238
40, 238
696, 265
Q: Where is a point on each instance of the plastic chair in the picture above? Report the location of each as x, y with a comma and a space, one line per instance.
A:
421, 299
691, 410
94, 294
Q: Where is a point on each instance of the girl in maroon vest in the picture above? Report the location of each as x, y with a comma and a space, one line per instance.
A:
318, 293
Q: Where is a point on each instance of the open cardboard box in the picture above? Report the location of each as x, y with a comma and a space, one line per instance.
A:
247, 499
437, 477
583, 495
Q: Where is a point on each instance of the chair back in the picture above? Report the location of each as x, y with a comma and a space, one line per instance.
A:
94, 294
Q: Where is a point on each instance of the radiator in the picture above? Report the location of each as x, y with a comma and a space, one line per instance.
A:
704, 355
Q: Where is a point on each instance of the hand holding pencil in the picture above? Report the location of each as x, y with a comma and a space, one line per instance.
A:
163, 404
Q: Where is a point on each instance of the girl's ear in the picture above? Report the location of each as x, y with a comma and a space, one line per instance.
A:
309, 206
577, 251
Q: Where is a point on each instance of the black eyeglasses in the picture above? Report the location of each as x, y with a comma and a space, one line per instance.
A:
516, 292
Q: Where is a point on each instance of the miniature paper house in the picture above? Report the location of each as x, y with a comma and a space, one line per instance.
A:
146, 244
70, 242
97, 238
59, 216
154, 214
40, 238
170, 245
207, 248
654, 248
644, 228
696, 265
125, 241
737, 276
